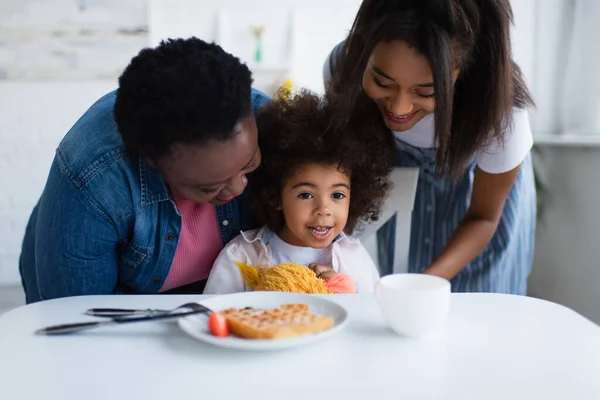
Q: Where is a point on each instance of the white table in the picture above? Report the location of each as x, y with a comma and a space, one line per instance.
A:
493, 347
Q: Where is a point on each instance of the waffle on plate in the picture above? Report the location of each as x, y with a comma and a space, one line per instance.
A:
289, 320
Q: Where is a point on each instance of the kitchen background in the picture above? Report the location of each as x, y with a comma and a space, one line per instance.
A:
58, 56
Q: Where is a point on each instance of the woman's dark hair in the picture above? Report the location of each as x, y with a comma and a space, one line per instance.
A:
296, 131
473, 35
183, 91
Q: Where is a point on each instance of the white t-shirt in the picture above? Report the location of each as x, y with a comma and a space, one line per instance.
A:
283, 252
497, 157
256, 247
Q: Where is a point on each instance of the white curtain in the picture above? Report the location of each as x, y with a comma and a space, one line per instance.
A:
563, 39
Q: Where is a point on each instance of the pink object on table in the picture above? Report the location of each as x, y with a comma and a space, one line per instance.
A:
341, 284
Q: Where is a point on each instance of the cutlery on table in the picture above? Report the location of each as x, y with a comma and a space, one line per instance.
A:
76, 327
122, 312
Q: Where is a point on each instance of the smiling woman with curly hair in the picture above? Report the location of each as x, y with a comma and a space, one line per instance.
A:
316, 183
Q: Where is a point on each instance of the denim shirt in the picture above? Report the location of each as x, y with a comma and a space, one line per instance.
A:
106, 222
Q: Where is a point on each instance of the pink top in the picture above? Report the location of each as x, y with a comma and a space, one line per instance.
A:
198, 247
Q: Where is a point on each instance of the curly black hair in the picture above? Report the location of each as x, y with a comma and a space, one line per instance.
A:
183, 91
296, 131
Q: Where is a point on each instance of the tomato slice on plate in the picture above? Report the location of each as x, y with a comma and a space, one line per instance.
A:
217, 324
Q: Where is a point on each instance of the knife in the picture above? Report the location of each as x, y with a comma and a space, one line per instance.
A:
121, 312
80, 326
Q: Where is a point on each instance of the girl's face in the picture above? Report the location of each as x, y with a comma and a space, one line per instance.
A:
400, 82
315, 202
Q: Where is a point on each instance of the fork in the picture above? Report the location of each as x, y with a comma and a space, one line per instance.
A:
80, 326
124, 312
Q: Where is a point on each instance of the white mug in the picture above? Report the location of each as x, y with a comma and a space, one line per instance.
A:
413, 305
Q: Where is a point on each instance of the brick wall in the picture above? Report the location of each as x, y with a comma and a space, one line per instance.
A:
70, 39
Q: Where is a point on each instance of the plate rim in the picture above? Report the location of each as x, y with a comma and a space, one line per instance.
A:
263, 345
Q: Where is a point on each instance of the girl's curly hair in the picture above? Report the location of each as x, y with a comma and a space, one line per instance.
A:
296, 131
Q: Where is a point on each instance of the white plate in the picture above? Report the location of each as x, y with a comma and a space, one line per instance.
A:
197, 325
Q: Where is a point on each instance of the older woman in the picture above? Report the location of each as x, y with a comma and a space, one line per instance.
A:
143, 191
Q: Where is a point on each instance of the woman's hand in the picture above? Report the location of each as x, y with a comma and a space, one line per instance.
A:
322, 271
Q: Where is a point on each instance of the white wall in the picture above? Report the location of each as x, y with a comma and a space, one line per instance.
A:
567, 257
56, 58
34, 117
310, 29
